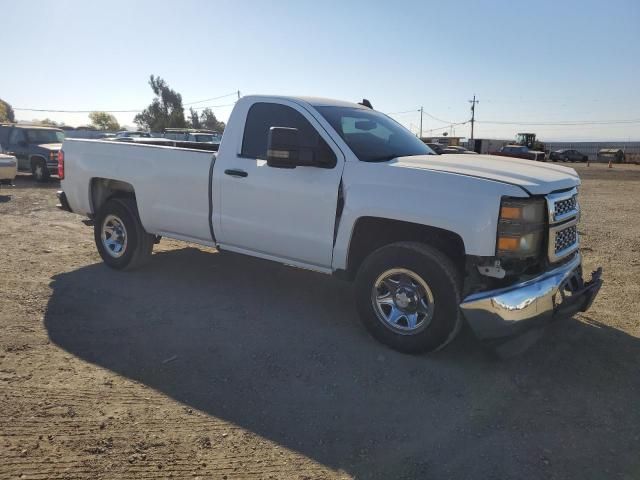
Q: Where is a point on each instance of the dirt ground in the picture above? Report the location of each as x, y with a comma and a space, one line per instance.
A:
216, 366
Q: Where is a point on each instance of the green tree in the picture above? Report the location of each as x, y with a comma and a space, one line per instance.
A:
209, 121
104, 121
165, 111
6, 112
47, 122
195, 120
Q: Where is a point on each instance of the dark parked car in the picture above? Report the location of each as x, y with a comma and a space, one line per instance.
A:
458, 150
132, 134
520, 151
568, 155
436, 147
36, 148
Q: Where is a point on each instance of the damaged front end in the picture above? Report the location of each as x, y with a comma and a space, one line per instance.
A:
536, 275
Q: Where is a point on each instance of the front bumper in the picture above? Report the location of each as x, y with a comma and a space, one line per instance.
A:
506, 312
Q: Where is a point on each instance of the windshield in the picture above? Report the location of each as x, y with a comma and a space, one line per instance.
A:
371, 135
45, 136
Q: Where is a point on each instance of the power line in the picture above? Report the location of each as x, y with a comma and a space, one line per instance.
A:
565, 122
215, 106
24, 109
213, 98
419, 110
447, 126
73, 111
406, 111
438, 119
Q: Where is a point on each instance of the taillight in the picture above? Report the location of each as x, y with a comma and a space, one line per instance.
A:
61, 164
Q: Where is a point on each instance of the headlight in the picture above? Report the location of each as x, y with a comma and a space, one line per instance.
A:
521, 227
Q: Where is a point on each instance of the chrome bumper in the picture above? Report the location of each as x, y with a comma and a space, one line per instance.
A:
506, 312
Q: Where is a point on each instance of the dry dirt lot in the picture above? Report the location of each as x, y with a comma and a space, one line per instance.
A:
208, 365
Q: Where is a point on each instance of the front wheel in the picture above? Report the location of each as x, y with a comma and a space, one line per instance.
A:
40, 171
408, 297
120, 238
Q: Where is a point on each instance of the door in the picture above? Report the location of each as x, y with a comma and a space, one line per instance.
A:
279, 212
18, 145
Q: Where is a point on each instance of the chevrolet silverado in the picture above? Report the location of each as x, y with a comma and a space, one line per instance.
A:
339, 188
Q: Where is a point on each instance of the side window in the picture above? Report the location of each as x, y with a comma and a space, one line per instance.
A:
263, 116
17, 136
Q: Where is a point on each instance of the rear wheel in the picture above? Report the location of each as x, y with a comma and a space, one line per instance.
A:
120, 238
408, 297
39, 170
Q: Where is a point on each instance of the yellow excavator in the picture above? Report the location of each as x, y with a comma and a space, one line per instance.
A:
529, 140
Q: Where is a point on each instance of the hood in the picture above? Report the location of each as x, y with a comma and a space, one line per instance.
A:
50, 146
537, 178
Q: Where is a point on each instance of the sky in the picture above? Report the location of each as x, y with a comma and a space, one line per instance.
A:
533, 62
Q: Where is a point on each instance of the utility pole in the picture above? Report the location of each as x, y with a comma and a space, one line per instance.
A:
238, 94
421, 112
473, 113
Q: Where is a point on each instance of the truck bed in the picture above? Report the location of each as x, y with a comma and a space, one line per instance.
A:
171, 184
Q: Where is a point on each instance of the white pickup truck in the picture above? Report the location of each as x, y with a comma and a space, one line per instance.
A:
342, 189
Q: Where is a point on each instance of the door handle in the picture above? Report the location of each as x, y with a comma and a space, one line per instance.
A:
236, 173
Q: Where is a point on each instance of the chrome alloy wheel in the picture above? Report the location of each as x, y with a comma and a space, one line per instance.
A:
402, 301
114, 236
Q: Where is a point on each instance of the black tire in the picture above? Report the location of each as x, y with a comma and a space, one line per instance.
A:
440, 275
39, 170
137, 249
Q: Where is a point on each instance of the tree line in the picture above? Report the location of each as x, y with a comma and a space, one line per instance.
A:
165, 111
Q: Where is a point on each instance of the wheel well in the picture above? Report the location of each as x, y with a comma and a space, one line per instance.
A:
102, 189
35, 158
371, 233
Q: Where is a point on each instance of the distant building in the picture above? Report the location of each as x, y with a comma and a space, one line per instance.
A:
486, 145
444, 140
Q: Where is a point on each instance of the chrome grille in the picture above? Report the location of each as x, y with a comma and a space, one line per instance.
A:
566, 238
564, 211
564, 207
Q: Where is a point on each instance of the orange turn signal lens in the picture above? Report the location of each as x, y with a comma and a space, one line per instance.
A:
510, 213
508, 244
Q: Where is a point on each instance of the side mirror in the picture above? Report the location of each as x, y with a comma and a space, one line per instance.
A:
283, 149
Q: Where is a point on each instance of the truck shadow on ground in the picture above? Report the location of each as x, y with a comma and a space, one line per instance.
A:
280, 352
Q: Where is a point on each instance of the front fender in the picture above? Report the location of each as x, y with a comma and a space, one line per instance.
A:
465, 205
